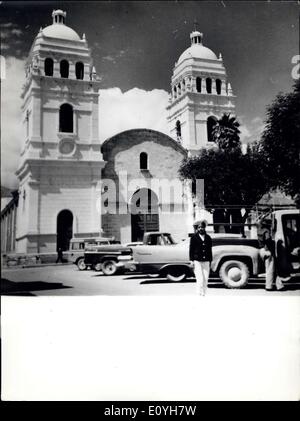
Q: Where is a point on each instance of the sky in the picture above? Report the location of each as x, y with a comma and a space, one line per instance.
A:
135, 46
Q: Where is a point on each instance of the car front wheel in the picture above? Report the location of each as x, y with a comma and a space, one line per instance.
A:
234, 274
109, 267
80, 264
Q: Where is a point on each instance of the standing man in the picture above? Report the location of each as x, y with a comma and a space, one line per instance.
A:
201, 256
59, 255
268, 255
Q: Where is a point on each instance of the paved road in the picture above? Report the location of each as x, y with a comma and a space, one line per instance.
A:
67, 280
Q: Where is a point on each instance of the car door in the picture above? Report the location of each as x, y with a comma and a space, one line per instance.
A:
157, 254
288, 246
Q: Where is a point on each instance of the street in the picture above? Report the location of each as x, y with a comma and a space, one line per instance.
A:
67, 280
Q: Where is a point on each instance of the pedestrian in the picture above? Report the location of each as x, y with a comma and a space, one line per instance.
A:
59, 255
268, 255
201, 256
283, 264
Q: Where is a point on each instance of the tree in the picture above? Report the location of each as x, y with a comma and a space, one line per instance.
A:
226, 133
232, 180
280, 143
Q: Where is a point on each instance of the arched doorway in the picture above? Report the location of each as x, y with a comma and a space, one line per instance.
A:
64, 229
144, 213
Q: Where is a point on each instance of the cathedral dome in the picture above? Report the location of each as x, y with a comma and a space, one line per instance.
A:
61, 31
58, 29
197, 49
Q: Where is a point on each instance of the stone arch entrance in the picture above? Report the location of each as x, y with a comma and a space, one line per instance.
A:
64, 229
144, 213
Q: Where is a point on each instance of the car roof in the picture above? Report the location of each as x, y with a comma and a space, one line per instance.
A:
84, 240
225, 235
157, 233
287, 212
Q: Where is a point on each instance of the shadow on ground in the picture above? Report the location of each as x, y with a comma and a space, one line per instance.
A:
252, 285
26, 288
154, 281
100, 274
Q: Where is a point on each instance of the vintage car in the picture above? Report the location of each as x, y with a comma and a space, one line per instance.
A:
234, 258
110, 259
75, 254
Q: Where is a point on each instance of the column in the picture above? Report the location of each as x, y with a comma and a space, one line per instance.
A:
9, 224
4, 224
191, 141
72, 74
14, 226
193, 84
95, 124
95, 223
56, 69
223, 87
32, 207
36, 118
213, 87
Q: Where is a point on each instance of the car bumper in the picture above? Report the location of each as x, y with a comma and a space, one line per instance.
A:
129, 265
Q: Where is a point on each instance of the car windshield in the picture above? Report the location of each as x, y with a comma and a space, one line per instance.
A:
160, 240
77, 246
168, 240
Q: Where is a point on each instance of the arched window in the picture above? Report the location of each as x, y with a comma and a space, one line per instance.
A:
66, 118
218, 86
178, 130
211, 122
183, 85
79, 70
64, 68
198, 84
27, 124
143, 161
208, 85
179, 89
48, 67
175, 92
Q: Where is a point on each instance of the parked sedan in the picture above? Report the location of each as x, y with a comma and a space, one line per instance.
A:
235, 259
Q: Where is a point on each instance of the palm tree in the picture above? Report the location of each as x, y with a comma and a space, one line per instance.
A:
226, 133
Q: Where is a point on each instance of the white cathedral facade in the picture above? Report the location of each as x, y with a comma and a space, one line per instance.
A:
62, 161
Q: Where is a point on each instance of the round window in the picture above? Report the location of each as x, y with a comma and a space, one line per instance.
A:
66, 146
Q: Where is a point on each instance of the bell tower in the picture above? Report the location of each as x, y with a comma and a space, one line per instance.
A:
60, 161
200, 94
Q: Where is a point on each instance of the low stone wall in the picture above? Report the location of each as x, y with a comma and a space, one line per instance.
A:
22, 260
